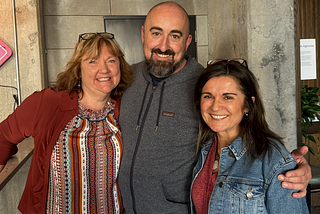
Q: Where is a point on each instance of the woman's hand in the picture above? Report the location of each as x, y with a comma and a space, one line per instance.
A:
299, 178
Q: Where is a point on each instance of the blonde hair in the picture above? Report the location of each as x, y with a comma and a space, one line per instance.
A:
68, 79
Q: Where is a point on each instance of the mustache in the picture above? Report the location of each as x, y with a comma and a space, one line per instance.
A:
158, 51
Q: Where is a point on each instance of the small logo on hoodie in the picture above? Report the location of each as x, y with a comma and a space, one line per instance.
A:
168, 114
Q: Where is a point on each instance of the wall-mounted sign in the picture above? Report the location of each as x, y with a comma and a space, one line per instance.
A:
5, 52
308, 59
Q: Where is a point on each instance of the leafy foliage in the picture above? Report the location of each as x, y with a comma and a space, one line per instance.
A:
309, 110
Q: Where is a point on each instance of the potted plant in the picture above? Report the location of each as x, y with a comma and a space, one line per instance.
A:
309, 111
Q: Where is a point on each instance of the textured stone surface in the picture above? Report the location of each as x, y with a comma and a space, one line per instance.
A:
76, 7
271, 54
63, 31
202, 30
203, 55
57, 61
194, 7
129, 7
227, 29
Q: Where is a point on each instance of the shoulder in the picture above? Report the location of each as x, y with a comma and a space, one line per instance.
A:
192, 64
278, 160
50, 99
279, 151
139, 66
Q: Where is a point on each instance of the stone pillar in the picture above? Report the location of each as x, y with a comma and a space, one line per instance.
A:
272, 59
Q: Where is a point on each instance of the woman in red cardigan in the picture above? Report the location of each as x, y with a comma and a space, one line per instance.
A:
77, 138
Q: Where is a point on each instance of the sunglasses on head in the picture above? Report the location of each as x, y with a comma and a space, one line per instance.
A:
88, 36
242, 62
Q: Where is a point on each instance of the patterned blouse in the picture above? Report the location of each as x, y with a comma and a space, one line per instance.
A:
85, 164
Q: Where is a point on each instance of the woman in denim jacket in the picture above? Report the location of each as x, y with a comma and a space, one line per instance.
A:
240, 156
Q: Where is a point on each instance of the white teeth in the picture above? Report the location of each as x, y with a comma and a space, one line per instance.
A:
218, 117
104, 79
163, 55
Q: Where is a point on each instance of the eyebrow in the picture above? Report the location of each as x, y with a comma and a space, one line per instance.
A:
160, 29
224, 94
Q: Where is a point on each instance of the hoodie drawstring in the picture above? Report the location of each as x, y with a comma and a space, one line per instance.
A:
159, 108
144, 98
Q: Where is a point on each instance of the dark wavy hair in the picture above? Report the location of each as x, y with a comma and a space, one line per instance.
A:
68, 79
254, 129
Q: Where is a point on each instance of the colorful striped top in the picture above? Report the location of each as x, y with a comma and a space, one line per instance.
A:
85, 164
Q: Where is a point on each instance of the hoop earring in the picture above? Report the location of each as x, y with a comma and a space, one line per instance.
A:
79, 83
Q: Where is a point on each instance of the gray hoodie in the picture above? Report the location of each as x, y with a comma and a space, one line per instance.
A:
159, 129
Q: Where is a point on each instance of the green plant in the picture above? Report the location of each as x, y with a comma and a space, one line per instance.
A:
309, 111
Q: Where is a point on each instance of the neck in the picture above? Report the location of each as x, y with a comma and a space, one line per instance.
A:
94, 103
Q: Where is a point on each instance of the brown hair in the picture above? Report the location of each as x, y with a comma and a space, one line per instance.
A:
68, 79
254, 129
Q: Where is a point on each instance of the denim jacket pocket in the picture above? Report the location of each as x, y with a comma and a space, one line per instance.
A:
247, 189
246, 196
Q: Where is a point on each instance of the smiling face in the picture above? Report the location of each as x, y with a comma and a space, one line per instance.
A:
222, 106
165, 37
100, 75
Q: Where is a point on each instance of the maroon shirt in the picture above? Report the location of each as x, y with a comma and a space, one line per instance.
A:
204, 183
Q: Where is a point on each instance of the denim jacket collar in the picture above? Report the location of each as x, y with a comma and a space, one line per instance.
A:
237, 148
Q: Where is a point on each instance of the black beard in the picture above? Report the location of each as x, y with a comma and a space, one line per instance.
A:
162, 68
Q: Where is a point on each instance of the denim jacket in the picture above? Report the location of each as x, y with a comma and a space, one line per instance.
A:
243, 186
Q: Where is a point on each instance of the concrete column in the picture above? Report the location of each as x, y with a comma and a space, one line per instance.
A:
272, 59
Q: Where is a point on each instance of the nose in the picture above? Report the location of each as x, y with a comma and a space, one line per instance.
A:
216, 104
164, 44
104, 68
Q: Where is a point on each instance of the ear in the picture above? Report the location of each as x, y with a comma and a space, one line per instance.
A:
253, 99
189, 40
142, 34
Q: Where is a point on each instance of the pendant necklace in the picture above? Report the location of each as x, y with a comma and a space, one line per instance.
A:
216, 162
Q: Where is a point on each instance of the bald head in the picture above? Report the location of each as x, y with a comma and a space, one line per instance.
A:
173, 6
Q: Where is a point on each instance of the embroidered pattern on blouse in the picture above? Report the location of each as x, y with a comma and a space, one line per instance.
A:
85, 163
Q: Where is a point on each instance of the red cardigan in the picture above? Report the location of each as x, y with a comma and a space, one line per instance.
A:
43, 115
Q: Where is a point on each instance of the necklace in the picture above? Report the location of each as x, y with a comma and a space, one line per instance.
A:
216, 162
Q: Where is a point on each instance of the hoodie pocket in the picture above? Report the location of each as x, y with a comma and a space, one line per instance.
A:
175, 192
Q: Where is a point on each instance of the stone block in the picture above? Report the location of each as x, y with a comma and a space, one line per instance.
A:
198, 7
202, 30
202, 53
57, 61
76, 7
63, 31
128, 7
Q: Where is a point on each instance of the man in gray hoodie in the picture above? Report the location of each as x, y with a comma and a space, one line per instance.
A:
159, 126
